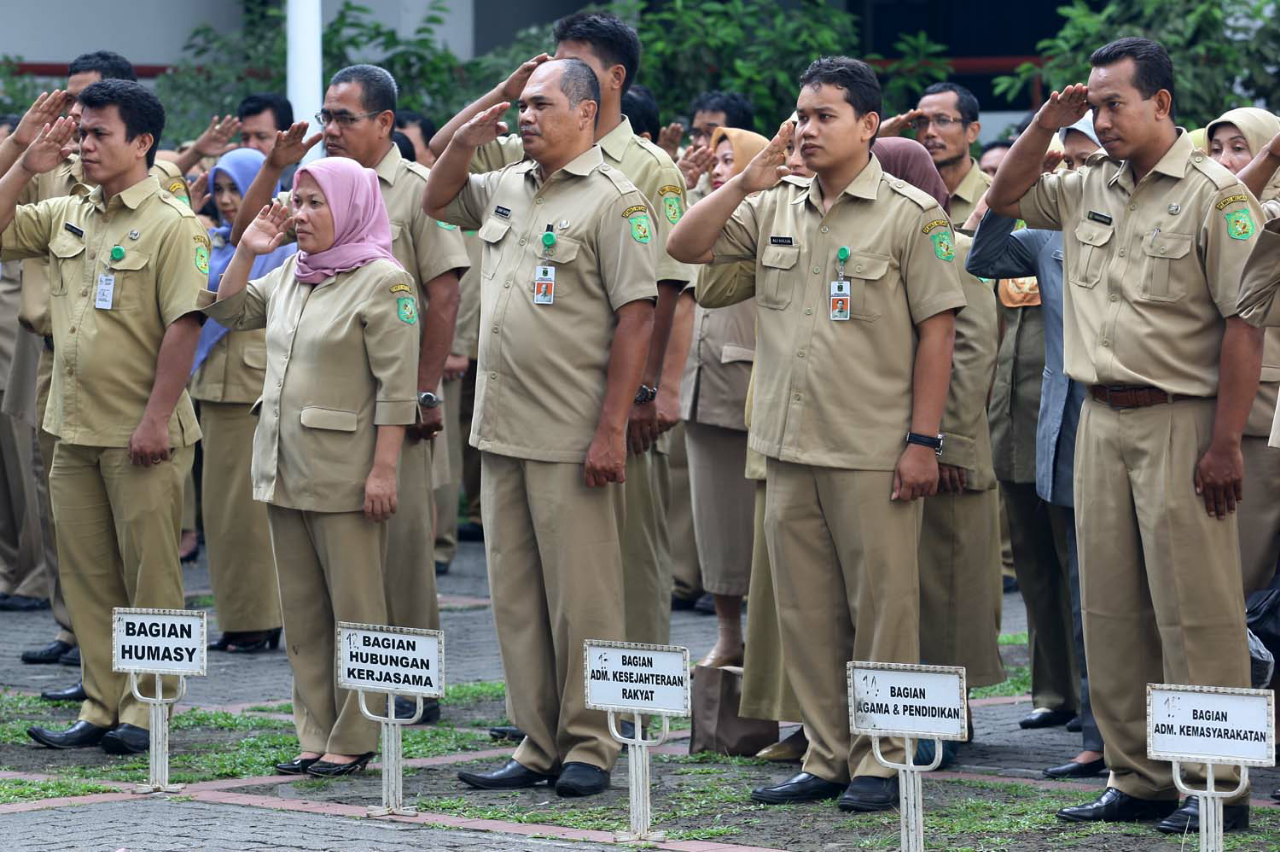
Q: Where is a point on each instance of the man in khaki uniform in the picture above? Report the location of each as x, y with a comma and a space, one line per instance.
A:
840, 516
566, 305
1155, 237
128, 260
359, 116
946, 122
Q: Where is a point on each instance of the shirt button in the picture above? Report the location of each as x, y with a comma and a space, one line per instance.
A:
493, 375
1106, 342
538, 201
800, 354
71, 330
84, 292
1122, 252
1114, 297
825, 229
495, 329
523, 241
857, 269
1163, 249
796, 397
1133, 207
816, 270
808, 311
506, 285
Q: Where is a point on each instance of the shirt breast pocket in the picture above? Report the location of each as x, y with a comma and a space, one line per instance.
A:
777, 278
1088, 267
560, 257
491, 234
65, 270
131, 285
869, 292
1162, 277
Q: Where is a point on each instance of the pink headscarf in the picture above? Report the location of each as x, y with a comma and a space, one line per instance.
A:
361, 229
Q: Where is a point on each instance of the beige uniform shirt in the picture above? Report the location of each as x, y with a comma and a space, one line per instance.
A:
829, 392
1152, 270
1262, 415
967, 194
1259, 307
713, 390
10, 297
466, 332
543, 367
120, 274
234, 370
342, 359
967, 442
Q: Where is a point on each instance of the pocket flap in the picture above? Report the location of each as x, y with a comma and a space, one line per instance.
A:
780, 257
493, 230
255, 357
1093, 233
66, 246
867, 266
732, 353
131, 260
563, 251
1172, 246
329, 418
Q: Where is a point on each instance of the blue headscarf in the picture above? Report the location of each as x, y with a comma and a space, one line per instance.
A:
242, 166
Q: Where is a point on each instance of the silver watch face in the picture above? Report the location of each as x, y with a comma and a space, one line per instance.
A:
428, 400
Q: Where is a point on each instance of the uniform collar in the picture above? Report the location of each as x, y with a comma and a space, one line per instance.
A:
972, 186
131, 197
864, 186
1173, 163
615, 142
74, 169
389, 166
583, 164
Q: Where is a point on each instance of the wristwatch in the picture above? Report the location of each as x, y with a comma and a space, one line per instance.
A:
646, 394
926, 441
427, 399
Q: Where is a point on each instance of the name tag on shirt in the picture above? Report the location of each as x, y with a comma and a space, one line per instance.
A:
840, 301
106, 292
544, 285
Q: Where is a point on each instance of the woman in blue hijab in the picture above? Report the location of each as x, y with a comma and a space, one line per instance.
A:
226, 379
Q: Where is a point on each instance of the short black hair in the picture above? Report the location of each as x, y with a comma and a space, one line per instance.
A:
111, 65
406, 117
378, 90
966, 101
579, 83
140, 110
405, 144
861, 88
611, 38
1153, 69
737, 110
260, 102
991, 146
641, 108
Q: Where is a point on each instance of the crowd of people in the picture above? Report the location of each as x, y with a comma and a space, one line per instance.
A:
838, 373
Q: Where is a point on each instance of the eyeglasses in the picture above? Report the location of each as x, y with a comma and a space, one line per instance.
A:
343, 119
942, 122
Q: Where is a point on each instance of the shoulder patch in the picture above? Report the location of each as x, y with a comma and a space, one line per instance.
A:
177, 187
201, 239
407, 309
401, 288
943, 245
1214, 171
640, 230
1240, 225
936, 223
202, 260
633, 210
920, 197
669, 188
178, 204
1232, 199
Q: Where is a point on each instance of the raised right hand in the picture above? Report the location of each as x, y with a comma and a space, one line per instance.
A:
514, 85
484, 128
267, 230
898, 123
51, 146
291, 146
1064, 108
669, 138
694, 164
45, 110
769, 166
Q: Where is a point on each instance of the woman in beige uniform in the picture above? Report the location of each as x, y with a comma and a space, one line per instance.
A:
341, 385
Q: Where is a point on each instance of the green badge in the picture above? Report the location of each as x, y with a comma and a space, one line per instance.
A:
117, 253
942, 246
672, 204
445, 226
407, 308
202, 259
1240, 224
640, 228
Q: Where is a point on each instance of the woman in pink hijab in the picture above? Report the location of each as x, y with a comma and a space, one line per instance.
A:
341, 386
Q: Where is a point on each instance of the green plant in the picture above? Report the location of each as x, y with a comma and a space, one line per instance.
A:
17, 91
906, 78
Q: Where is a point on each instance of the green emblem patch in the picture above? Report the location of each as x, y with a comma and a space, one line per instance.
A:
943, 247
1240, 224
202, 260
446, 226
407, 308
672, 205
640, 228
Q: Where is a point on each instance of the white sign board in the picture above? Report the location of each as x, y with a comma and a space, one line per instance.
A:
635, 678
1211, 724
378, 658
158, 641
899, 700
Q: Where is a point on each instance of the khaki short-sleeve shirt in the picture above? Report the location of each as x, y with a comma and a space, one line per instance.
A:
342, 359
835, 392
120, 274
544, 348
967, 442
713, 388
1152, 269
968, 193
466, 330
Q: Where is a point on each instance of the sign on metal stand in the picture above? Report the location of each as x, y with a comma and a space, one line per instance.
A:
913, 703
391, 661
1216, 726
158, 642
635, 680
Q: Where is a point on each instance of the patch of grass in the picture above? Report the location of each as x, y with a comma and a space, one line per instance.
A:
495, 722
703, 833
19, 704
310, 783
286, 707
469, 693
15, 733
709, 757
223, 721
1018, 683
199, 601
1013, 639
16, 790
598, 818
434, 741
251, 756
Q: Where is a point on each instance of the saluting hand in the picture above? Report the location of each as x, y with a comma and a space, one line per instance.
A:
291, 147
45, 110
52, 145
606, 459
694, 164
267, 231
216, 138
1219, 479
669, 139
198, 191
770, 165
900, 122
1064, 108
484, 128
514, 85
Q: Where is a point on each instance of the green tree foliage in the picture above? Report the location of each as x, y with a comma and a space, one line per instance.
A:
17, 91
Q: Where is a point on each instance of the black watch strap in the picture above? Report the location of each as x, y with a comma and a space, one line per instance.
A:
646, 394
933, 443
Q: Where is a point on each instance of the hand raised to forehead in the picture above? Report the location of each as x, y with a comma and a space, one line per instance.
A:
1064, 108
484, 128
770, 165
268, 230
291, 146
51, 146
216, 139
519, 78
45, 110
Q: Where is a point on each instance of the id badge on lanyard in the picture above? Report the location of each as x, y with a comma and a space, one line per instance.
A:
544, 275
841, 296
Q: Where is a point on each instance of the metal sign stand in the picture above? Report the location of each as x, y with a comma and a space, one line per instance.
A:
159, 770
638, 777
910, 795
1211, 801
392, 759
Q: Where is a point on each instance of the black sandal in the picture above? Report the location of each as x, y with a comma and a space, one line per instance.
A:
325, 769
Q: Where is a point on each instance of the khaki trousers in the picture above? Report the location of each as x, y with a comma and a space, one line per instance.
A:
1040, 557
723, 505
1259, 514
686, 573
766, 688
446, 496
330, 566
46, 442
118, 529
470, 455
190, 503
1160, 579
646, 548
409, 572
960, 584
846, 575
23, 571
237, 538
556, 580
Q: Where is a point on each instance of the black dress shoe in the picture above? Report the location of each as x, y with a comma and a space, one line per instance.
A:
1042, 718
1275, 794
1077, 770
506, 732
679, 603
48, 655
326, 769
801, 787
442, 568
127, 739
1186, 819
1076, 725
512, 776
868, 793
23, 603
297, 766
80, 735
470, 532
1114, 806
70, 693
71, 658
581, 779
406, 707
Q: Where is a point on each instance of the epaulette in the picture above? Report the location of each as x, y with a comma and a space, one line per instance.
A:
620, 181
1213, 170
900, 186
660, 156
177, 204
1096, 157
417, 168
798, 181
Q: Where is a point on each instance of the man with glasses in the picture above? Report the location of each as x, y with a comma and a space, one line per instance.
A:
357, 121
946, 122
